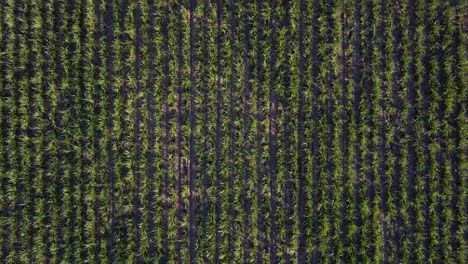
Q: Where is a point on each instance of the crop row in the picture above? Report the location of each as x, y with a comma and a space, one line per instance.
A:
222, 131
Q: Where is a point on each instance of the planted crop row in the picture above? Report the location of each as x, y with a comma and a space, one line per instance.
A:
221, 131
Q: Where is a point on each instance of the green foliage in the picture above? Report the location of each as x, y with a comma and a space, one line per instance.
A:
204, 131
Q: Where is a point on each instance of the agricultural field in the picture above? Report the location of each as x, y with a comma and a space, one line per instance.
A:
233, 131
